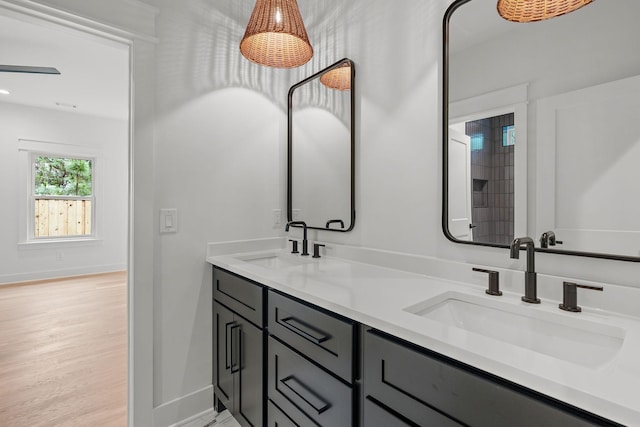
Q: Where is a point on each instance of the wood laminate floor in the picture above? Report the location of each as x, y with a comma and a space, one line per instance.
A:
63, 352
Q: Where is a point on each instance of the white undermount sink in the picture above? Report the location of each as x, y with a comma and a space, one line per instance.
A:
275, 260
566, 337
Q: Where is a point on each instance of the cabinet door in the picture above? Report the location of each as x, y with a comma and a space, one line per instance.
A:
420, 385
224, 327
249, 384
404, 381
277, 418
376, 416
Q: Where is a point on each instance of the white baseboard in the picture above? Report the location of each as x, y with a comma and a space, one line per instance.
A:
55, 274
184, 408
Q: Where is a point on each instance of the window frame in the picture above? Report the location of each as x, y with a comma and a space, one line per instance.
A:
509, 135
28, 151
33, 155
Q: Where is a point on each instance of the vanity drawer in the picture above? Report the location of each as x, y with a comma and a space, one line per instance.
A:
322, 337
417, 385
240, 295
377, 416
306, 393
277, 418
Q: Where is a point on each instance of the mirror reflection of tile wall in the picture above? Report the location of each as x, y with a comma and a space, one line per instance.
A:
492, 154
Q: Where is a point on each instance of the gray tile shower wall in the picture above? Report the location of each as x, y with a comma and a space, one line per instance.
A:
492, 173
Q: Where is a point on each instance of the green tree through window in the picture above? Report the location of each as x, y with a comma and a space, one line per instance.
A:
58, 176
63, 197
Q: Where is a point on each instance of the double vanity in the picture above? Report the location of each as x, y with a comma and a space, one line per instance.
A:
374, 338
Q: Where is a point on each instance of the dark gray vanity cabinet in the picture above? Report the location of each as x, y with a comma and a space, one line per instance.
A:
310, 365
406, 385
282, 362
238, 347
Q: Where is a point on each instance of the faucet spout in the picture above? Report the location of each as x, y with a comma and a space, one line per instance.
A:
530, 277
529, 244
305, 243
514, 249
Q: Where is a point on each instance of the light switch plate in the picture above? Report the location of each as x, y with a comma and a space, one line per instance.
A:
168, 220
277, 218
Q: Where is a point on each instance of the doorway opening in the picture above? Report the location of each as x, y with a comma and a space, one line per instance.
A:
63, 287
492, 160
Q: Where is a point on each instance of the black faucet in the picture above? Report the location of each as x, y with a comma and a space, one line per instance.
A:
305, 243
548, 238
530, 280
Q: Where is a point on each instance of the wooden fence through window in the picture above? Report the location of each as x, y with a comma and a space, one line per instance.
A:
57, 217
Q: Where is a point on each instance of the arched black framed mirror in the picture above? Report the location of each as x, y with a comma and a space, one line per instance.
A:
321, 149
539, 133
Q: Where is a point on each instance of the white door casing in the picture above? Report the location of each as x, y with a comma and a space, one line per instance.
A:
459, 199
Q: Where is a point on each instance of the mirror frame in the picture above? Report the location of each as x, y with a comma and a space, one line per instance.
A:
445, 157
352, 132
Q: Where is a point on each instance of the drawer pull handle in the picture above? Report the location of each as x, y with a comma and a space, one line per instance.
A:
228, 344
300, 328
236, 348
305, 394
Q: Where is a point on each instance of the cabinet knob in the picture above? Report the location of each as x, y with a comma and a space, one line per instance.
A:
494, 281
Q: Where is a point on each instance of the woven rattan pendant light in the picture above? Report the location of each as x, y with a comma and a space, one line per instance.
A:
338, 78
276, 36
537, 10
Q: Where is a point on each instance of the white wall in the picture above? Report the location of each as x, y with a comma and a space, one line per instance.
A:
109, 139
218, 159
550, 67
595, 126
221, 141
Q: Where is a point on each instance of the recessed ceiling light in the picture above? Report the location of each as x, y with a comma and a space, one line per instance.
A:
4, 92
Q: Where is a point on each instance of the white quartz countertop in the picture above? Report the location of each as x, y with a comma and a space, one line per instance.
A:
377, 296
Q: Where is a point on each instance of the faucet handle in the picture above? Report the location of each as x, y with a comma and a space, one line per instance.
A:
494, 281
570, 296
316, 250
294, 246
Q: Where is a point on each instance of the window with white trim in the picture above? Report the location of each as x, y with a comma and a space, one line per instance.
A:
62, 201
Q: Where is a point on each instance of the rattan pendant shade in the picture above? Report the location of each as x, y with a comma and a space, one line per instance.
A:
276, 36
537, 10
338, 78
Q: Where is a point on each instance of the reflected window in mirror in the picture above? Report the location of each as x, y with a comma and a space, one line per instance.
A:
321, 146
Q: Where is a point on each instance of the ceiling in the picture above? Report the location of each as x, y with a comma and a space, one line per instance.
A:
94, 71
